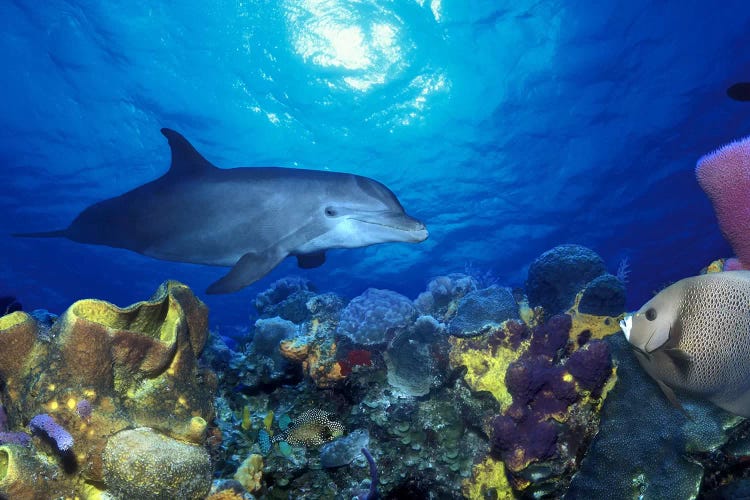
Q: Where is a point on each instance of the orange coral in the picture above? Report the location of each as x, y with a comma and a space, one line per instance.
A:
318, 358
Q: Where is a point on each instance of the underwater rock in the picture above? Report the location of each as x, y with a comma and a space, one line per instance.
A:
344, 450
603, 296
143, 464
411, 365
481, 309
134, 366
443, 293
269, 333
556, 276
372, 317
286, 298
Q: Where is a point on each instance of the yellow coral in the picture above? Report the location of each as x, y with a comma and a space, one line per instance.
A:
486, 364
228, 494
599, 326
250, 472
488, 480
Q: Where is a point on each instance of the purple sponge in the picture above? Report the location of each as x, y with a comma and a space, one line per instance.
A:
46, 426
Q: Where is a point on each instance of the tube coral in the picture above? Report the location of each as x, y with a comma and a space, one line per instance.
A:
724, 176
46, 426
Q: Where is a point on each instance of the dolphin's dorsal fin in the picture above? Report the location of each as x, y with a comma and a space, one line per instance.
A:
186, 160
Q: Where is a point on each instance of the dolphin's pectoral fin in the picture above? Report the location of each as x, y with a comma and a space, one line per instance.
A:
250, 268
311, 260
669, 393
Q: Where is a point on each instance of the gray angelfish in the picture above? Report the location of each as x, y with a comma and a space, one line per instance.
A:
248, 219
694, 336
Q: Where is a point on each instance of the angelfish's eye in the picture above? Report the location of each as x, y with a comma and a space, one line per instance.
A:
330, 212
651, 314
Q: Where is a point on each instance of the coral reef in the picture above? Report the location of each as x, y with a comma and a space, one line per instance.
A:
103, 382
633, 449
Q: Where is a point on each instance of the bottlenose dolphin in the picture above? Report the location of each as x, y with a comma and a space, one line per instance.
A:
248, 219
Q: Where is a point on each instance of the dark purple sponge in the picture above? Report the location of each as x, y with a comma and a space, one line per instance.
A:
591, 366
551, 337
535, 438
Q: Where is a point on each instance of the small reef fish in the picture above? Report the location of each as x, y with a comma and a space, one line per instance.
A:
694, 336
248, 219
312, 428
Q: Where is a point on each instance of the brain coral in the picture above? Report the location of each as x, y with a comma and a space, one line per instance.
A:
484, 308
556, 276
136, 367
369, 318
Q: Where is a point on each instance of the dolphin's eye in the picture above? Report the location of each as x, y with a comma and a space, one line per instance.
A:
330, 212
651, 314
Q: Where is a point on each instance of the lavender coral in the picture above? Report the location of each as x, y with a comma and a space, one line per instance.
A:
45, 425
371, 317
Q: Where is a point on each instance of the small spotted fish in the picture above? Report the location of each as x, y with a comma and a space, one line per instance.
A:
311, 428
264, 441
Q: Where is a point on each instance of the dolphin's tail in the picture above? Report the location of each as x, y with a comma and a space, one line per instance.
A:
60, 233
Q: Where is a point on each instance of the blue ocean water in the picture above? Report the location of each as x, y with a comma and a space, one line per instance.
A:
508, 127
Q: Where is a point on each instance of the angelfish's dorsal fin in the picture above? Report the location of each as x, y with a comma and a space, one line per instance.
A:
186, 160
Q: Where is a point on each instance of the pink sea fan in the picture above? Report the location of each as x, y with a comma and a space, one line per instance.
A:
725, 177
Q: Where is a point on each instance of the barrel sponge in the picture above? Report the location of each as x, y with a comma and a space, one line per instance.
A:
144, 464
725, 177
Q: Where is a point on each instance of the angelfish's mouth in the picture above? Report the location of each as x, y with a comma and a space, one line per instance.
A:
626, 324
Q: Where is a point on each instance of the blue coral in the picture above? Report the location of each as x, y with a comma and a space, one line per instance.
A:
286, 298
372, 318
482, 309
556, 276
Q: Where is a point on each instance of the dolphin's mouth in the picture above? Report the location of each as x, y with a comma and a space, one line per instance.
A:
402, 223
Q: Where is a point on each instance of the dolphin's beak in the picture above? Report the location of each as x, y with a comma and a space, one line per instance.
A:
400, 221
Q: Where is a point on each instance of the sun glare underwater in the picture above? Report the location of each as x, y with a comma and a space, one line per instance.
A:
375, 249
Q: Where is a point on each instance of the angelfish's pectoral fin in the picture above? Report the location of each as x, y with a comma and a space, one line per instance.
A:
669, 393
311, 260
681, 360
250, 268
